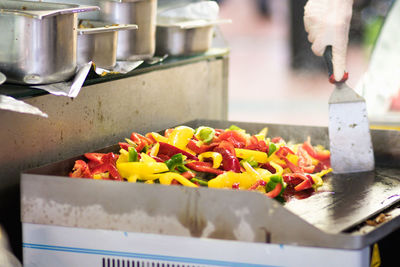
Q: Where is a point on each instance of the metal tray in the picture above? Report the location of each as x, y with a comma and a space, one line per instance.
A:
185, 37
97, 42
332, 218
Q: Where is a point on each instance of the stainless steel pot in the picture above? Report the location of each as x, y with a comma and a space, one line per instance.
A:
132, 45
38, 41
185, 37
97, 42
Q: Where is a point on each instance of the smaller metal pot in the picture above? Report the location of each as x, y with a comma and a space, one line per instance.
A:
97, 42
186, 37
132, 45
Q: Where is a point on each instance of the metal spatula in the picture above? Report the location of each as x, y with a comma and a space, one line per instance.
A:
349, 132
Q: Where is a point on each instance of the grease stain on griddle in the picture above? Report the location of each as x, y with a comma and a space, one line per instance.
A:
222, 230
191, 218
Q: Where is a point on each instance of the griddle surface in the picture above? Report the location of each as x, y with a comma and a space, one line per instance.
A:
347, 200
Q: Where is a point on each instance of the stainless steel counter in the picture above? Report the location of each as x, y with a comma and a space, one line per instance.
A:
104, 113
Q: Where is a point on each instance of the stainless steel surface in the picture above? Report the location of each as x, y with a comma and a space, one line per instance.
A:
38, 43
133, 45
349, 133
185, 38
3, 78
97, 42
319, 221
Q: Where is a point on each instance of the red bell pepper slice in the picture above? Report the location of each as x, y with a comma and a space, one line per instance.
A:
138, 138
255, 144
202, 166
141, 141
100, 163
218, 132
277, 140
269, 167
236, 138
322, 165
283, 151
200, 149
124, 145
307, 181
257, 184
305, 161
235, 186
80, 170
170, 150
292, 166
291, 180
275, 192
229, 160
188, 175
319, 155
96, 157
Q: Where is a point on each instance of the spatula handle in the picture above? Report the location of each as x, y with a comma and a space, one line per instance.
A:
328, 59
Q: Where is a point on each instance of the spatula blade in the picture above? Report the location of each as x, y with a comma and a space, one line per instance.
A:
349, 132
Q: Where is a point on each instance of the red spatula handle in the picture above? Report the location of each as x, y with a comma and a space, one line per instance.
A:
328, 61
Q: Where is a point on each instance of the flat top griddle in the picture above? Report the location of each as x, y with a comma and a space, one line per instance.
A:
323, 219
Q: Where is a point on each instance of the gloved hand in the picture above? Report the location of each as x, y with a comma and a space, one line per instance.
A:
327, 23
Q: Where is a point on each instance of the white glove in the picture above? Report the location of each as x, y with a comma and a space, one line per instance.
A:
327, 23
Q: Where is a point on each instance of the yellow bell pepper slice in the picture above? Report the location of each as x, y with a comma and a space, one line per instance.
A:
100, 176
123, 156
277, 167
259, 156
276, 159
166, 179
262, 134
159, 138
154, 150
227, 179
317, 177
146, 158
132, 178
180, 136
141, 169
293, 158
250, 170
216, 157
265, 174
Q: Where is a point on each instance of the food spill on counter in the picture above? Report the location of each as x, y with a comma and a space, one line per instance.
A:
216, 158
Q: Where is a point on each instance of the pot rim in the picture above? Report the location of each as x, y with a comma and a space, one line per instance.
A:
48, 10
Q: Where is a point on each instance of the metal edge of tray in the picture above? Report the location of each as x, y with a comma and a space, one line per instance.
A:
181, 211
265, 220
107, 28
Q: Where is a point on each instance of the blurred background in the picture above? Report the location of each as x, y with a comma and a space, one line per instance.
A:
273, 76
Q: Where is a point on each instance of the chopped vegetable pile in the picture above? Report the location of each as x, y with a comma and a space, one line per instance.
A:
217, 158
